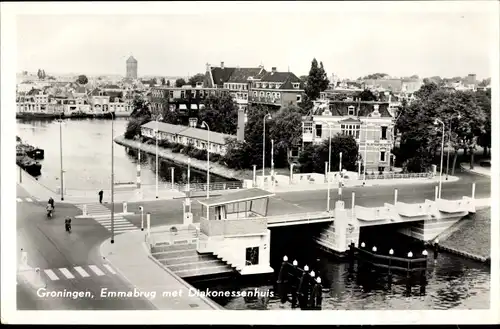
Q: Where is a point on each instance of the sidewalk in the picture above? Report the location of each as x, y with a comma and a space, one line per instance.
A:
483, 171
358, 183
73, 196
129, 255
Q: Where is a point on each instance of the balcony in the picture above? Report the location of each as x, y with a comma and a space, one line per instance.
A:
265, 100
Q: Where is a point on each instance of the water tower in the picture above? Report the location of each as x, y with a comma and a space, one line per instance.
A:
131, 68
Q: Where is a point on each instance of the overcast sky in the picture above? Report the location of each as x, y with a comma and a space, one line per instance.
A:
424, 40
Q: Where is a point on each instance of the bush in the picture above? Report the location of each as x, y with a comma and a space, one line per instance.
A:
215, 157
176, 148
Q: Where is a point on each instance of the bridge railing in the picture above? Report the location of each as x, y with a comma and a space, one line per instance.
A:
305, 216
171, 234
399, 176
217, 186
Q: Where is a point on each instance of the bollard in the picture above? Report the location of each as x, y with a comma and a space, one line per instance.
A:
148, 224
389, 274
436, 193
124, 207
395, 196
317, 295
84, 210
473, 190
281, 282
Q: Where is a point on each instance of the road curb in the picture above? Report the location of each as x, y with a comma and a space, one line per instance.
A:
473, 172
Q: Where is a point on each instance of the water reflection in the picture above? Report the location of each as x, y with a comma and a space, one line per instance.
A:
87, 155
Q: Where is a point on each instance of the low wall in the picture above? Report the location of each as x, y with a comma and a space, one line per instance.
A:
181, 159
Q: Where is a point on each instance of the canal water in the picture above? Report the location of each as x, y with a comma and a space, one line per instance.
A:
452, 281
87, 155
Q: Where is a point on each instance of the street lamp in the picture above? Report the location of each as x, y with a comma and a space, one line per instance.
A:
449, 146
205, 125
61, 155
112, 178
157, 133
141, 208
267, 116
436, 122
329, 164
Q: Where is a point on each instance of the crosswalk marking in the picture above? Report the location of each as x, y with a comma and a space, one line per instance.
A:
67, 273
96, 270
81, 271
19, 200
51, 275
109, 268
29, 200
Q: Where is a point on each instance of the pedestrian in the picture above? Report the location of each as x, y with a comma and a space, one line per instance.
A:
100, 196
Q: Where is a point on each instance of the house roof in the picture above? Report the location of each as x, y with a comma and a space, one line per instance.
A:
241, 75
165, 127
221, 75
282, 77
394, 85
111, 86
340, 108
80, 90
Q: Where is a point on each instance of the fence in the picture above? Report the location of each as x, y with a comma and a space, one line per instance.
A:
399, 176
217, 186
171, 235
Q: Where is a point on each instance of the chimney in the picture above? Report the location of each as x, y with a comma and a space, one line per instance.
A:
222, 65
273, 69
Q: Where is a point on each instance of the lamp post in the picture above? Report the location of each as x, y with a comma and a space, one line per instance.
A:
449, 145
438, 121
267, 116
141, 208
366, 149
205, 125
329, 165
112, 178
61, 156
157, 133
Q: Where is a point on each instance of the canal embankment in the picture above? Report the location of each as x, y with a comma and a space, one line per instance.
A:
471, 237
215, 168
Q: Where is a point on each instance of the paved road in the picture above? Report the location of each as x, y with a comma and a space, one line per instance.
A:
166, 212
68, 262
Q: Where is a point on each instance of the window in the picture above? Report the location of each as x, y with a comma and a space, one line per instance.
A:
351, 130
382, 156
308, 129
278, 95
261, 94
319, 130
252, 256
350, 110
384, 132
255, 94
296, 85
268, 94
182, 93
299, 98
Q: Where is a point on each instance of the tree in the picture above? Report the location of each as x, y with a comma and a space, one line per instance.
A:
415, 76
366, 96
82, 80
421, 136
163, 82
317, 80
303, 79
426, 90
286, 131
485, 82
313, 157
220, 113
141, 108
180, 82
168, 83
375, 76
483, 99
200, 77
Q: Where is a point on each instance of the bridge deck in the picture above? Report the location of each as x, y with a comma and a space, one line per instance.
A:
300, 218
